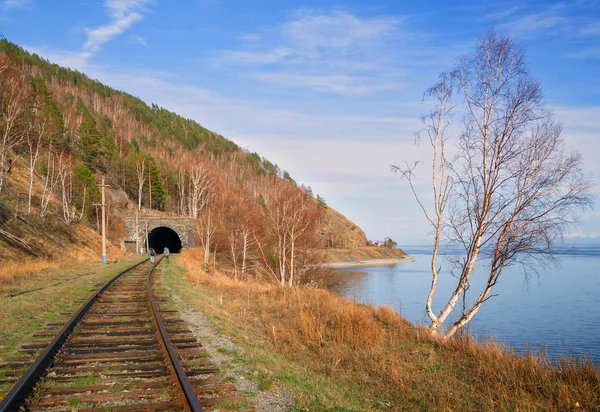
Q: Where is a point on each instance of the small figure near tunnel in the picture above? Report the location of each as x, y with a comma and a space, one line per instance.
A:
164, 239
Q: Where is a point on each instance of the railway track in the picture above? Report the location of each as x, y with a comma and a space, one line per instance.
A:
122, 352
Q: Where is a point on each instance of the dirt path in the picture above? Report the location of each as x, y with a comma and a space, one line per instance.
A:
220, 349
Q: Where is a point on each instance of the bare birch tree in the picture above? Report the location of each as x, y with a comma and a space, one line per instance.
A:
181, 185
35, 138
241, 230
14, 104
201, 189
65, 177
206, 226
140, 166
51, 178
511, 190
291, 215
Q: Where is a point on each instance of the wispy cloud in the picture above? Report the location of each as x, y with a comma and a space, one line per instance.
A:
123, 14
336, 83
574, 19
500, 14
254, 58
334, 52
338, 31
15, 4
552, 19
585, 53
205, 3
138, 39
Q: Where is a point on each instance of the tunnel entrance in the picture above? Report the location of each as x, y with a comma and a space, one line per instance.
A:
161, 237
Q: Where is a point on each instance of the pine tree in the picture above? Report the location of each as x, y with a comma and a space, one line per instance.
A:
90, 145
157, 188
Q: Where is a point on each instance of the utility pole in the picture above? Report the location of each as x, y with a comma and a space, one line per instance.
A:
103, 206
147, 241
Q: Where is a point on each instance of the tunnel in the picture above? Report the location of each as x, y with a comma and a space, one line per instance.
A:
162, 237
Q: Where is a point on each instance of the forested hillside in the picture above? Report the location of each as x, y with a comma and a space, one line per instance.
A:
63, 130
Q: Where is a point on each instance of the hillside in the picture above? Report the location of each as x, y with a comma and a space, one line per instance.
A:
65, 130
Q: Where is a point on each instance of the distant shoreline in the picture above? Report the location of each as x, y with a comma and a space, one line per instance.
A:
369, 262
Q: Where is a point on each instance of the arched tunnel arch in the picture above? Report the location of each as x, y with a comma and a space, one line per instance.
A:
161, 237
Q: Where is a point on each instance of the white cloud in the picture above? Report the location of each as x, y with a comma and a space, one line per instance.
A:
338, 31
123, 13
336, 83
334, 52
574, 19
579, 117
254, 58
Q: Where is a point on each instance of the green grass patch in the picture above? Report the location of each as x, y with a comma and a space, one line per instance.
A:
227, 351
87, 380
265, 386
117, 388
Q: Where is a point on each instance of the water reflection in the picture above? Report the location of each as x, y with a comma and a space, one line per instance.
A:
556, 312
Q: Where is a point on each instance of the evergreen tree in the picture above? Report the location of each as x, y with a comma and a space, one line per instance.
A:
90, 145
157, 188
85, 187
52, 113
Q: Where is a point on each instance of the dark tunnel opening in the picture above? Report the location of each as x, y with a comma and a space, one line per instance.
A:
162, 237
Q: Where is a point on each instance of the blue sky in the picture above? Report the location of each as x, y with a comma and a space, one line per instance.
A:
329, 90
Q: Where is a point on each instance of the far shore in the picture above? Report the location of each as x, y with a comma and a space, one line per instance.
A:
369, 262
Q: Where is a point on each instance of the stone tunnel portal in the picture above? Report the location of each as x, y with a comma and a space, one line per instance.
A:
161, 237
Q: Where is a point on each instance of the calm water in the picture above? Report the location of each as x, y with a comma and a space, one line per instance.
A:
557, 310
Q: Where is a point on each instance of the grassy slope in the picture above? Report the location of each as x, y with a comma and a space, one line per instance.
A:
30, 302
361, 254
337, 355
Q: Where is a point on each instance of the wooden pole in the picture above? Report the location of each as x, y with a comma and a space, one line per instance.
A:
103, 223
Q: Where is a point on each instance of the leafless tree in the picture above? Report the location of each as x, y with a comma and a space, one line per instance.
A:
14, 104
65, 177
206, 226
511, 190
181, 185
140, 165
201, 191
241, 227
290, 218
35, 138
51, 178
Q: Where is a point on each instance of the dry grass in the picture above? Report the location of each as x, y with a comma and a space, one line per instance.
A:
12, 270
395, 366
362, 254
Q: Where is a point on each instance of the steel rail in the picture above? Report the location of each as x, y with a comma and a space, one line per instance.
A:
189, 395
24, 387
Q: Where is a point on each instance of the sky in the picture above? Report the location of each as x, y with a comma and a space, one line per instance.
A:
329, 90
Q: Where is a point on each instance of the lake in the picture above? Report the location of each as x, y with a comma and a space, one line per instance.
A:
557, 310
